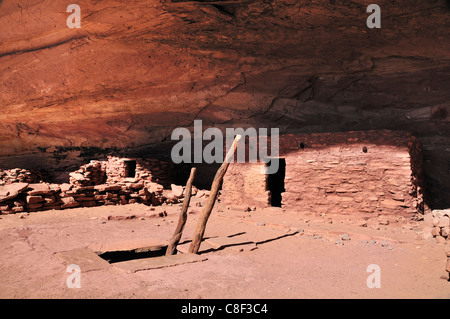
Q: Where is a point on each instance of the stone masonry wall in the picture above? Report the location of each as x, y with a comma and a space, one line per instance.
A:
244, 185
94, 184
348, 172
19, 175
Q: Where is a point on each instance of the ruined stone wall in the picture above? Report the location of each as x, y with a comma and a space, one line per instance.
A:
19, 175
94, 184
116, 170
90, 174
244, 184
441, 226
350, 172
25, 197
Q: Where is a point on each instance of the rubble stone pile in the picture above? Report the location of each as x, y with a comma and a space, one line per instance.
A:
115, 170
116, 181
90, 174
19, 175
441, 225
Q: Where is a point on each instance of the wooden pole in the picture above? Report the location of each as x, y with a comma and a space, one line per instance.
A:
183, 215
201, 226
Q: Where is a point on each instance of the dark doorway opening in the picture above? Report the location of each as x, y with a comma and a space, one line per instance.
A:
275, 182
124, 255
130, 168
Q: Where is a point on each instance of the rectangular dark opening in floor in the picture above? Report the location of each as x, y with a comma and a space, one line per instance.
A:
275, 182
125, 255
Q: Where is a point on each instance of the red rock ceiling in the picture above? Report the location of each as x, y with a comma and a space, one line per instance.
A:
137, 69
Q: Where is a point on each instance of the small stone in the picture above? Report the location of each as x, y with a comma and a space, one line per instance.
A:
435, 221
18, 209
445, 231
424, 235
435, 231
373, 242
339, 242
200, 193
384, 243
177, 190
19, 203
70, 204
11, 191
40, 189
345, 237
155, 188
260, 224
34, 206
162, 214
34, 199
444, 221
447, 251
65, 187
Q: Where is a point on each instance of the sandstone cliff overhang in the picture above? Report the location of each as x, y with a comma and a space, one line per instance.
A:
132, 73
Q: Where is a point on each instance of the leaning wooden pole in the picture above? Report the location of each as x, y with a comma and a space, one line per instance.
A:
183, 215
201, 225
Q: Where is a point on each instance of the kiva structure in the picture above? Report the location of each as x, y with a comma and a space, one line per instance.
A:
345, 173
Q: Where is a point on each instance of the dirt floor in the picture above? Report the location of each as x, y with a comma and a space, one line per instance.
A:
266, 253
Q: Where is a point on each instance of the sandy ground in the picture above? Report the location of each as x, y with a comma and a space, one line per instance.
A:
292, 255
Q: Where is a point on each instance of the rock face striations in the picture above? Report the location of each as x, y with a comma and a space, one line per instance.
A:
134, 72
